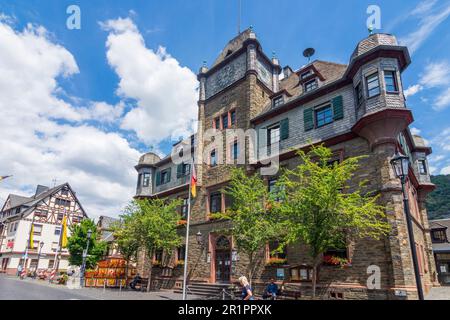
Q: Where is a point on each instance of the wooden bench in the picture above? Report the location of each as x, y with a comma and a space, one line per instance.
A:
142, 285
289, 295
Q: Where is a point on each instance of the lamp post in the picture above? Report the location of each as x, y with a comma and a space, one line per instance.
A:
38, 257
199, 238
85, 252
400, 163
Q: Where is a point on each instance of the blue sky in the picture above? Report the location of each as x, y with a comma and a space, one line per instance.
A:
100, 95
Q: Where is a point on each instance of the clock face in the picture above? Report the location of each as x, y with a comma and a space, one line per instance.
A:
264, 73
226, 76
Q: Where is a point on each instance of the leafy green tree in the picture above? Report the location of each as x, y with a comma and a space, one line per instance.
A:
126, 241
252, 224
153, 226
77, 242
322, 209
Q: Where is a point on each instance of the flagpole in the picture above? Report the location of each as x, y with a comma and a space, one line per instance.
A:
187, 232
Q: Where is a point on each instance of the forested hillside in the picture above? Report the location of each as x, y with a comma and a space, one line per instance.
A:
438, 202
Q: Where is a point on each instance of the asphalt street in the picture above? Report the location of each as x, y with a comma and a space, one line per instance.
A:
12, 288
15, 289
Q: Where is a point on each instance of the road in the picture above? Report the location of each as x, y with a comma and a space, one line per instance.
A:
15, 289
12, 288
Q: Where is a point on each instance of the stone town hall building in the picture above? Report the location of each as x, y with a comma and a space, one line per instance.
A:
355, 109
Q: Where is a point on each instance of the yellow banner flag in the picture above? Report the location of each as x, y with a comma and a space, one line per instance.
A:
64, 233
31, 244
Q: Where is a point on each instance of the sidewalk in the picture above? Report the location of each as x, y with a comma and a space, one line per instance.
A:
110, 294
439, 293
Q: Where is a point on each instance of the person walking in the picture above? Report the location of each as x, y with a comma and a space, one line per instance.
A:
247, 291
19, 270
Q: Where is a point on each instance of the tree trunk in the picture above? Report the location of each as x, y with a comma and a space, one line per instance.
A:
126, 273
314, 280
150, 272
317, 261
250, 269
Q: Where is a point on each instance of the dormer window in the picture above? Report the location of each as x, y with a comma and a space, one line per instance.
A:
306, 74
311, 85
277, 101
438, 236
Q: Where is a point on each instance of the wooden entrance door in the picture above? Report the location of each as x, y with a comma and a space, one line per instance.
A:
223, 260
223, 266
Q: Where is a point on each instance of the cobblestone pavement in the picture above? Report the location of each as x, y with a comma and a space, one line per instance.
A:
439, 293
28, 289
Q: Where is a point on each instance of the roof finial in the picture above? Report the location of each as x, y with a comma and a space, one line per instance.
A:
204, 63
370, 29
274, 55
239, 16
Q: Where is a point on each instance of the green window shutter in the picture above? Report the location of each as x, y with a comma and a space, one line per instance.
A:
169, 174
338, 108
180, 170
284, 129
308, 119
158, 178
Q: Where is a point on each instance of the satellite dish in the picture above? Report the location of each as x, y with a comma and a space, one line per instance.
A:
308, 53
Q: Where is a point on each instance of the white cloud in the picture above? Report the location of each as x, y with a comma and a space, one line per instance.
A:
412, 90
443, 100
36, 147
433, 170
415, 131
445, 170
430, 17
435, 75
164, 91
423, 7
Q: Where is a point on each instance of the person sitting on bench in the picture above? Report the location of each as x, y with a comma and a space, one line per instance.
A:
271, 290
136, 280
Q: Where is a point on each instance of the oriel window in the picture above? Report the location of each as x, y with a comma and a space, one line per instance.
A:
373, 85
390, 80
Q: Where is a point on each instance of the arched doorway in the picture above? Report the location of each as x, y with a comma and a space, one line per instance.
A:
223, 259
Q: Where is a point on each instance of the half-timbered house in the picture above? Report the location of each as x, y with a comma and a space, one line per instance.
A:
45, 210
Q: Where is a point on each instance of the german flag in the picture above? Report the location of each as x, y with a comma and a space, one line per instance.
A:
193, 181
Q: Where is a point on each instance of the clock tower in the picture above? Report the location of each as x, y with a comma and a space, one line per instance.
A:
233, 90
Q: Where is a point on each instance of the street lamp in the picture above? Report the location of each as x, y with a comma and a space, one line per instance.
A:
199, 238
400, 163
41, 244
85, 252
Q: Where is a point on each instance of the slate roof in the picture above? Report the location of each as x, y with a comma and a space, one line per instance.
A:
104, 223
30, 202
439, 224
329, 70
233, 45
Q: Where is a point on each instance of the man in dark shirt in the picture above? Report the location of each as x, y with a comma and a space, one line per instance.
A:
271, 290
